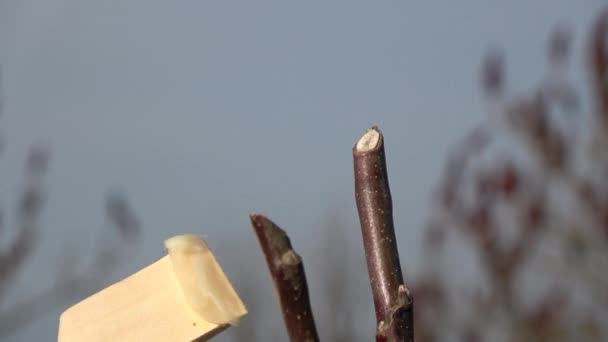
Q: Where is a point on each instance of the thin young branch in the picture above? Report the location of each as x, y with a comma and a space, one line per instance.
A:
287, 271
392, 299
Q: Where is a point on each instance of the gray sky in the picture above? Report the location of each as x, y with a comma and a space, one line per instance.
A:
206, 110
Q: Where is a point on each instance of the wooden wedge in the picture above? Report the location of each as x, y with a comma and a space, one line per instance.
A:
185, 296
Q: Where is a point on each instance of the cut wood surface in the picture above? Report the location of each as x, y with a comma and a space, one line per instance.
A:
147, 306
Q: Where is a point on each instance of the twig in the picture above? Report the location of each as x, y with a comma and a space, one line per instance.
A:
599, 65
68, 289
287, 271
392, 299
30, 205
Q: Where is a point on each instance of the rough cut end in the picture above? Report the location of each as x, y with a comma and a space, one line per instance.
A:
187, 243
370, 140
205, 287
271, 236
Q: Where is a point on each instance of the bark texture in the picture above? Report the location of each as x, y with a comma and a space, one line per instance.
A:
287, 271
392, 300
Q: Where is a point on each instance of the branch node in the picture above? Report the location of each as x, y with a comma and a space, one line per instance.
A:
392, 300
289, 278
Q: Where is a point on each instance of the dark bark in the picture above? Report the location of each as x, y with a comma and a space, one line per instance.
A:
392, 300
287, 271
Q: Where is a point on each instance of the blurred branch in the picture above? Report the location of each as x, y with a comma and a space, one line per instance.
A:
533, 218
392, 299
121, 215
66, 290
599, 66
71, 285
28, 210
492, 74
287, 271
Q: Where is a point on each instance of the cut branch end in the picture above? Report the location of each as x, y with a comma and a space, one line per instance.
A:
289, 278
370, 140
392, 301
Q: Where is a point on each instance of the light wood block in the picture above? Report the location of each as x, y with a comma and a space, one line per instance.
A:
147, 306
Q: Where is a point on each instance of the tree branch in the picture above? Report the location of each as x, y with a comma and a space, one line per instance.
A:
392, 299
287, 271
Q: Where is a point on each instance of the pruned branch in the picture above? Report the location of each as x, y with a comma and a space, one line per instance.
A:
392, 300
287, 271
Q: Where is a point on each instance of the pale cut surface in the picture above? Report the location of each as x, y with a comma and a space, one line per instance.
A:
150, 305
369, 140
204, 285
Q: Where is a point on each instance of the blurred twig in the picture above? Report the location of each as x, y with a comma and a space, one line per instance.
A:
74, 284
539, 212
13, 257
599, 66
